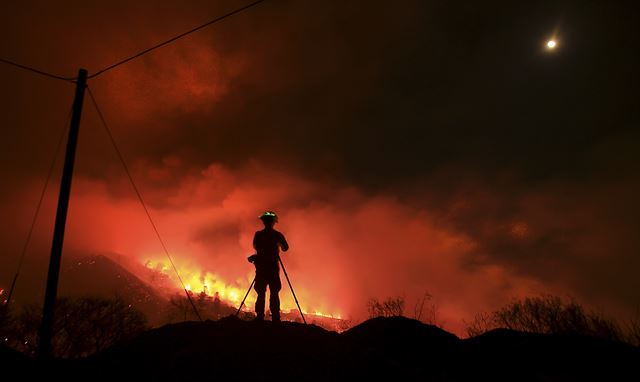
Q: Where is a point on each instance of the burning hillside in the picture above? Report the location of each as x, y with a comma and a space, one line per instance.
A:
153, 289
160, 274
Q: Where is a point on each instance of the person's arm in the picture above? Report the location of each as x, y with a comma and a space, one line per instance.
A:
255, 236
283, 243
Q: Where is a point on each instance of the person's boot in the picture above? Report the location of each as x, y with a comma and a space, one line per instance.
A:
275, 318
259, 318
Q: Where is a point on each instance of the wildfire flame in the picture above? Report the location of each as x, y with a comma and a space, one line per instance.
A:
198, 281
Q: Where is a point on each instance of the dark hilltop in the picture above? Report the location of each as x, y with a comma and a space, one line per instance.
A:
395, 348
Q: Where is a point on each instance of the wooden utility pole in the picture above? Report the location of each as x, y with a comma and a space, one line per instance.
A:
46, 328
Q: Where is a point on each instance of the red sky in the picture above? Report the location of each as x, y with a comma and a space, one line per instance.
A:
439, 150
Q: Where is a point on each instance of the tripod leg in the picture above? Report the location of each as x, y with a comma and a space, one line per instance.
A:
291, 287
245, 296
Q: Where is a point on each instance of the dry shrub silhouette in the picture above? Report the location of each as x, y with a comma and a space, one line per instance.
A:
426, 310
390, 307
550, 314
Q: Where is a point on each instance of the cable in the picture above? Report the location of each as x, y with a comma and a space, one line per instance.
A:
146, 210
39, 205
99, 72
8, 62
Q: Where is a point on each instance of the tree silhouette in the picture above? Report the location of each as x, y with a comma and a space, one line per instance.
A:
82, 326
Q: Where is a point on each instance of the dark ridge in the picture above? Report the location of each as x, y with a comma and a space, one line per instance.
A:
226, 347
392, 330
551, 357
12, 361
394, 348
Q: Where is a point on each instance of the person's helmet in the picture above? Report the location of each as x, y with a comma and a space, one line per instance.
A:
269, 215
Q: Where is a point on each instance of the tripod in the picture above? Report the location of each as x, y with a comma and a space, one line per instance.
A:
290, 286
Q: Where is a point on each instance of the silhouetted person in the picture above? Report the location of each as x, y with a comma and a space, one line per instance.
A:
268, 243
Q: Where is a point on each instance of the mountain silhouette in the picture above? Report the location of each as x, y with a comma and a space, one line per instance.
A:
98, 275
382, 348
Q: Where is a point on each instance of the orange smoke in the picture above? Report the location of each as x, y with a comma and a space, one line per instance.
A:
346, 246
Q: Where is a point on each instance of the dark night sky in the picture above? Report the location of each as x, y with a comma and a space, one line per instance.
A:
436, 145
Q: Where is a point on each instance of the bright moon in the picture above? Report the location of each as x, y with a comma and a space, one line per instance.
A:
551, 44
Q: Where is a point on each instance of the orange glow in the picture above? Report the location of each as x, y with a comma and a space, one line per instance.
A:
198, 281
342, 253
520, 230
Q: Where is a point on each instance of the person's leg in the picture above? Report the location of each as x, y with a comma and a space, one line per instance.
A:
274, 298
261, 288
